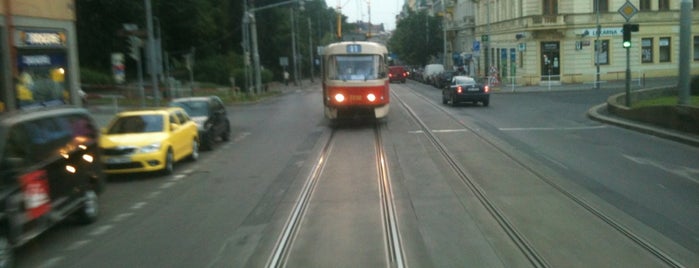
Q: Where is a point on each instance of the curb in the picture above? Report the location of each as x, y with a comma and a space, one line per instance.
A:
595, 113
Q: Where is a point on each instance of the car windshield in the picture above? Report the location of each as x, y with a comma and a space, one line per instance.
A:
137, 124
351, 67
194, 108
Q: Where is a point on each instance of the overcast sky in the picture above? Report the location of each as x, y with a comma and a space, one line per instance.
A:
382, 11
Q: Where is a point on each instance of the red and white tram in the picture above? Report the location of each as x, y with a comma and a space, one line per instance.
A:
355, 80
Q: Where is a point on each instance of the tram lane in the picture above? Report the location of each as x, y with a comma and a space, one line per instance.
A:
442, 224
560, 230
343, 221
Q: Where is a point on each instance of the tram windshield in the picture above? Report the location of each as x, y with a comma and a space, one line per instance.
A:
354, 67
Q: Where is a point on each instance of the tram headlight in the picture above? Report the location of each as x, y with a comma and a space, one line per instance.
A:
371, 97
339, 97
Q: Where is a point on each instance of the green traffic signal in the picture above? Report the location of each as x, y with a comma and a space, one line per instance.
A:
626, 44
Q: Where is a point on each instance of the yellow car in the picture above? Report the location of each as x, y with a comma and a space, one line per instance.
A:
148, 140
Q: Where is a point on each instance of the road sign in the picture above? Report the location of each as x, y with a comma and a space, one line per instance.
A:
484, 38
476, 46
628, 10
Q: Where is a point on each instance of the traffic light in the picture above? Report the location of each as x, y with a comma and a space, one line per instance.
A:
628, 28
135, 44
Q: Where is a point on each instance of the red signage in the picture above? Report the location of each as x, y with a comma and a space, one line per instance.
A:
35, 187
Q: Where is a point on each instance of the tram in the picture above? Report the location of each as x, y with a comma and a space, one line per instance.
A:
355, 80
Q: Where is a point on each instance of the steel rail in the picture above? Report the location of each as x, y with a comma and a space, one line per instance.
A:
395, 249
281, 249
640, 241
517, 237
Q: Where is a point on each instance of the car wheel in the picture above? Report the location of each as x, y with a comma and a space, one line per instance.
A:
486, 102
226, 135
452, 101
444, 99
169, 163
89, 211
6, 252
208, 141
195, 151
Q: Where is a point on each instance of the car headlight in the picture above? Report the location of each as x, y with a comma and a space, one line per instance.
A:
150, 148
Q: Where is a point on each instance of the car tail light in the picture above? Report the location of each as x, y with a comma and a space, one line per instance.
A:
390, 75
371, 97
486, 89
459, 89
339, 97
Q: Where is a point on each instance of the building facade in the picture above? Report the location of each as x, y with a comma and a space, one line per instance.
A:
39, 53
557, 41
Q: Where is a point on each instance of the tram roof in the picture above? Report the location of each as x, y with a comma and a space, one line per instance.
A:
368, 47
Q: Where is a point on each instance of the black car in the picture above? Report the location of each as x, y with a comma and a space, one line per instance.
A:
210, 115
50, 169
465, 89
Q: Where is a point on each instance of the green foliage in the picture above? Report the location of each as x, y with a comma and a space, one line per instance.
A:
417, 37
213, 69
94, 77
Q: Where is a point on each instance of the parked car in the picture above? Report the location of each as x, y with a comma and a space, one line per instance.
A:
443, 79
50, 169
465, 89
431, 70
211, 118
148, 140
397, 73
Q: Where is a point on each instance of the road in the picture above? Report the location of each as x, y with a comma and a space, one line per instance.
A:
528, 181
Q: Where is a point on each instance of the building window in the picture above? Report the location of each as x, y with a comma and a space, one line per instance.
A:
664, 49
603, 5
663, 4
645, 5
603, 55
696, 4
647, 50
550, 7
696, 48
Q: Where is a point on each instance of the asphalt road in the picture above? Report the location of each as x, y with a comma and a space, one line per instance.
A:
229, 208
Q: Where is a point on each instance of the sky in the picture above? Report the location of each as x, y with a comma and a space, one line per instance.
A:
382, 11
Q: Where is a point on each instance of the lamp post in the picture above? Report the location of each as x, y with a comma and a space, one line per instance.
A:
151, 50
253, 34
597, 46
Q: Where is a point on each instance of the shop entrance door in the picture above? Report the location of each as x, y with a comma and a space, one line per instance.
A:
550, 61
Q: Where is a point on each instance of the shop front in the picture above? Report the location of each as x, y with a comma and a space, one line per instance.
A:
42, 68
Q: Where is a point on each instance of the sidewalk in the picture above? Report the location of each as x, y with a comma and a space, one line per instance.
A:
612, 84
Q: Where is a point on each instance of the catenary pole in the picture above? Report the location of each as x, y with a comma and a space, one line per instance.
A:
685, 41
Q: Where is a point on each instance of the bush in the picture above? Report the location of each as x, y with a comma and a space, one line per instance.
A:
93, 77
213, 69
695, 86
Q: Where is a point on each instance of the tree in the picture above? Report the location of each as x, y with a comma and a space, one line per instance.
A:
417, 38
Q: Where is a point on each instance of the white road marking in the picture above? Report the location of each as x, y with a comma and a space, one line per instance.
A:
241, 136
101, 230
153, 195
440, 131
691, 174
139, 205
550, 128
122, 216
167, 185
51, 262
78, 244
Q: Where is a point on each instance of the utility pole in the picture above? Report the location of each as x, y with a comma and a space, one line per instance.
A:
255, 53
293, 46
685, 41
151, 50
598, 47
310, 48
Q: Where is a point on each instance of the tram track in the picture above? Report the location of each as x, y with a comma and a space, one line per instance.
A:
520, 240
283, 248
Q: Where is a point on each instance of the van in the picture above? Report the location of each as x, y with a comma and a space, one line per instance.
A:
50, 169
431, 71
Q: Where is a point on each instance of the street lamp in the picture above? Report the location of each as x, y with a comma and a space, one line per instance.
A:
253, 34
